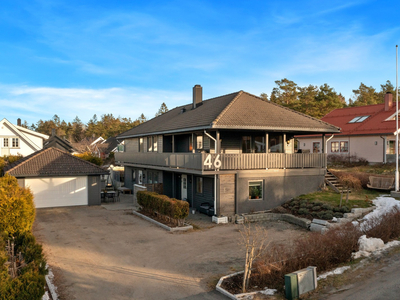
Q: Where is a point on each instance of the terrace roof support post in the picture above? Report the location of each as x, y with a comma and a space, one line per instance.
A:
218, 143
266, 142
192, 191
284, 143
323, 143
173, 143
173, 185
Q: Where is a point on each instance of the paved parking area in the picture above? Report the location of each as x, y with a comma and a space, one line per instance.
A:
97, 253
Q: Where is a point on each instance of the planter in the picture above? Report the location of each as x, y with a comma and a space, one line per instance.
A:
220, 220
183, 228
239, 296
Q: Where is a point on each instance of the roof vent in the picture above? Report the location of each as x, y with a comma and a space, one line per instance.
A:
388, 101
183, 110
197, 95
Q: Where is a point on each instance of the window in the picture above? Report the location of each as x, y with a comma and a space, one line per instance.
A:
141, 149
152, 143
256, 189
344, 146
246, 144
150, 177
199, 185
199, 142
359, 119
259, 144
334, 147
5, 143
316, 147
275, 143
15, 142
155, 143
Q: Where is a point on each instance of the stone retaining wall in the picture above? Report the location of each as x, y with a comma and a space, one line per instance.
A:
305, 223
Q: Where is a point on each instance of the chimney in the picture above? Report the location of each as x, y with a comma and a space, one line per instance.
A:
388, 101
19, 122
53, 132
197, 95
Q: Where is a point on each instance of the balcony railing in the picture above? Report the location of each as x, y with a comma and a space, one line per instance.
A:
211, 162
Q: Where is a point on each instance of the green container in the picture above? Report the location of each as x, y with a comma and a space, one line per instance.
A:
291, 288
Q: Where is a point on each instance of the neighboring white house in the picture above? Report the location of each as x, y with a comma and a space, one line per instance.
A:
15, 139
366, 132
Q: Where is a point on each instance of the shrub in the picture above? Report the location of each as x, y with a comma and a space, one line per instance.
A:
326, 207
17, 210
316, 208
29, 284
338, 215
346, 160
323, 251
90, 158
386, 227
344, 209
303, 205
303, 211
154, 203
328, 215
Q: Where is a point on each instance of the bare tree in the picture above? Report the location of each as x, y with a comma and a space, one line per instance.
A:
254, 240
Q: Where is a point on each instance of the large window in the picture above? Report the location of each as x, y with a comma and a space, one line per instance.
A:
15, 142
256, 190
199, 185
246, 144
152, 143
275, 143
334, 147
259, 144
316, 147
199, 140
5, 143
141, 149
344, 146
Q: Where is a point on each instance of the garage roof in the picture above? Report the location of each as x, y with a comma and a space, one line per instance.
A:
52, 162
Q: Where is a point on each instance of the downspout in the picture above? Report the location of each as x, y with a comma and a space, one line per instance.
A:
384, 149
326, 149
215, 175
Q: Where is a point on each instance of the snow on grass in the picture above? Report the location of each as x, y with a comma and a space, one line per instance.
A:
337, 271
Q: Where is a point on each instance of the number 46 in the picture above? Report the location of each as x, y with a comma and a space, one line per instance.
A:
208, 162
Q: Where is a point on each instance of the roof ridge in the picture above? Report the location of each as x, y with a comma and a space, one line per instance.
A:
228, 106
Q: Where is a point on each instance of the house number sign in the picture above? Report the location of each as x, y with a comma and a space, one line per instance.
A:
209, 163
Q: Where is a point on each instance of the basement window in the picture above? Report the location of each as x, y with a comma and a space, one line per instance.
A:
256, 190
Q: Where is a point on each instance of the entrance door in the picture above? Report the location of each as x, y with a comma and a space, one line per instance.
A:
184, 187
140, 177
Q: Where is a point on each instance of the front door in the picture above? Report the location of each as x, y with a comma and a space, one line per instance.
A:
184, 187
140, 177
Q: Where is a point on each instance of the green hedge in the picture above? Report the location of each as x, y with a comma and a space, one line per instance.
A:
153, 202
17, 210
31, 281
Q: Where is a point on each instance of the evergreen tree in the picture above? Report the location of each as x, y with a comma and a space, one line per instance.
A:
163, 109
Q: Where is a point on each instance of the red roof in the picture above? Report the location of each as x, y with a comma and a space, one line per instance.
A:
373, 125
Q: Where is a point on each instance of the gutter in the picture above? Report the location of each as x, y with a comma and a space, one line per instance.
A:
384, 148
326, 143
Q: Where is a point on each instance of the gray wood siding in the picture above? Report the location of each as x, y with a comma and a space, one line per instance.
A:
130, 145
231, 143
208, 192
94, 190
227, 193
160, 143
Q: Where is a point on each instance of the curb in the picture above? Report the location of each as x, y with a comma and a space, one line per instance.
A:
172, 229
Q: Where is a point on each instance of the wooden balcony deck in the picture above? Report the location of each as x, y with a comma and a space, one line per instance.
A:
224, 161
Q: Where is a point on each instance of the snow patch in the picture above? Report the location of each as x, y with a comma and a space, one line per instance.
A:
337, 271
268, 292
49, 280
46, 296
384, 204
369, 244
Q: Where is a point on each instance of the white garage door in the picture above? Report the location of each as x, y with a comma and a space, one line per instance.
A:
64, 191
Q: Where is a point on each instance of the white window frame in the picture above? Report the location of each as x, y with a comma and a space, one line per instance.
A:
6, 143
260, 197
15, 142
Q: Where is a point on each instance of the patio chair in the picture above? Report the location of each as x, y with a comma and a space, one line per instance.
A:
110, 197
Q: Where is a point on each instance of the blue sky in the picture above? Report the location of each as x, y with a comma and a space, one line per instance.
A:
80, 58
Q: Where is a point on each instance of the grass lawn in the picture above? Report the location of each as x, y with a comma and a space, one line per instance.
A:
356, 198
382, 169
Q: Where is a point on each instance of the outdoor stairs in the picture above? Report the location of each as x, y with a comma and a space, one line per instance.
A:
334, 183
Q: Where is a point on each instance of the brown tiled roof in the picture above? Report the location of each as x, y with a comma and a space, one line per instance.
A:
52, 162
239, 110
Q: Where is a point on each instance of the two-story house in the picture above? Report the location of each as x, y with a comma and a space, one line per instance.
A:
15, 139
235, 152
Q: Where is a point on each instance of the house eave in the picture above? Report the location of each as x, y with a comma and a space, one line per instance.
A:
165, 132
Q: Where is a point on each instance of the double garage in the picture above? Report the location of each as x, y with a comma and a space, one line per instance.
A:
57, 178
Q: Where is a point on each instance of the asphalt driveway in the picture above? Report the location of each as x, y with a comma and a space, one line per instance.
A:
101, 254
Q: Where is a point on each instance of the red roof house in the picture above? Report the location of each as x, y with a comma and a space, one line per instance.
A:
366, 132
